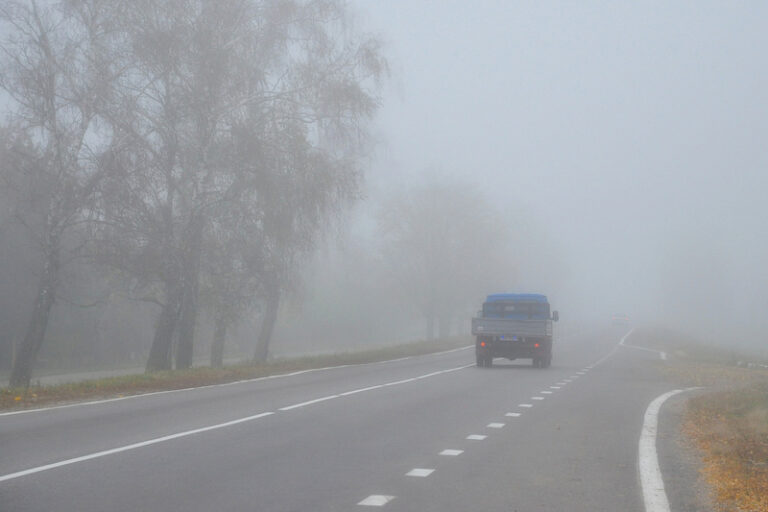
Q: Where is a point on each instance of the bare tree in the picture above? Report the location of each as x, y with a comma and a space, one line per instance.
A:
57, 71
238, 105
444, 245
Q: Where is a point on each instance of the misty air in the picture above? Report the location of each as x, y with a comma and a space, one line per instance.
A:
289, 255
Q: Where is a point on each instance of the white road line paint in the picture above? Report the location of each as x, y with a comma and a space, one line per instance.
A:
623, 343
525, 405
476, 437
400, 382
554, 387
309, 402
451, 453
203, 429
545, 392
376, 500
420, 472
495, 425
134, 446
651, 481
512, 414
537, 398
361, 390
565, 381
573, 377
233, 383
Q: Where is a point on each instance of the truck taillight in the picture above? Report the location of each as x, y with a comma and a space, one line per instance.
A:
482, 343
536, 345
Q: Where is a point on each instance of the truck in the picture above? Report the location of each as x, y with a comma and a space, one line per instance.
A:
514, 326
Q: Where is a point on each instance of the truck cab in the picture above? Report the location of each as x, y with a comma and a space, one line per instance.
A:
514, 326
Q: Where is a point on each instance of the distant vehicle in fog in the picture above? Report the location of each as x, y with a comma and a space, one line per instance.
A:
514, 326
619, 319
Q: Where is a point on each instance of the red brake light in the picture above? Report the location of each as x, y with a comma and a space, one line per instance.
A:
536, 345
482, 343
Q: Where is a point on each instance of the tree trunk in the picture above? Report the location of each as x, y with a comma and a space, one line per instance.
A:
38, 324
268, 322
162, 344
188, 318
430, 327
186, 330
443, 326
217, 347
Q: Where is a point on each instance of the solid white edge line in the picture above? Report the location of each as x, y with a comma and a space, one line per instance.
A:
651, 481
395, 383
244, 381
67, 462
355, 391
308, 402
133, 446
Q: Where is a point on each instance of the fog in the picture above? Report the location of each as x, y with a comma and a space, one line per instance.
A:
633, 135
609, 155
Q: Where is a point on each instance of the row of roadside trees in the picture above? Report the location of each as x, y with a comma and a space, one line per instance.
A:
193, 151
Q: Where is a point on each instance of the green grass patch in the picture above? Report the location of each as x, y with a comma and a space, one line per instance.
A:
111, 387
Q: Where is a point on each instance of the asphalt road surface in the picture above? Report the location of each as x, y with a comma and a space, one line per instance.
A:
427, 433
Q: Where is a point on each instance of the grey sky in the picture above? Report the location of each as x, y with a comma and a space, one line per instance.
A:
622, 125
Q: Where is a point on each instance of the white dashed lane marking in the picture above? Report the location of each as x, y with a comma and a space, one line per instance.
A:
142, 444
554, 387
451, 453
376, 500
545, 392
420, 472
537, 398
495, 425
525, 405
512, 414
476, 437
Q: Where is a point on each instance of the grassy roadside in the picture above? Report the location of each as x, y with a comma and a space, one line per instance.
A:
728, 423
37, 396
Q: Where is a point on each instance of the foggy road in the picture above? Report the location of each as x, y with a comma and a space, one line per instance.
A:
428, 433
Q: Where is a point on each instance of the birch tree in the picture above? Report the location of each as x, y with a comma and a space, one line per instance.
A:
57, 72
232, 105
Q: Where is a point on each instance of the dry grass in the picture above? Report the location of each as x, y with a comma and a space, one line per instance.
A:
731, 429
36, 396
728, 423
